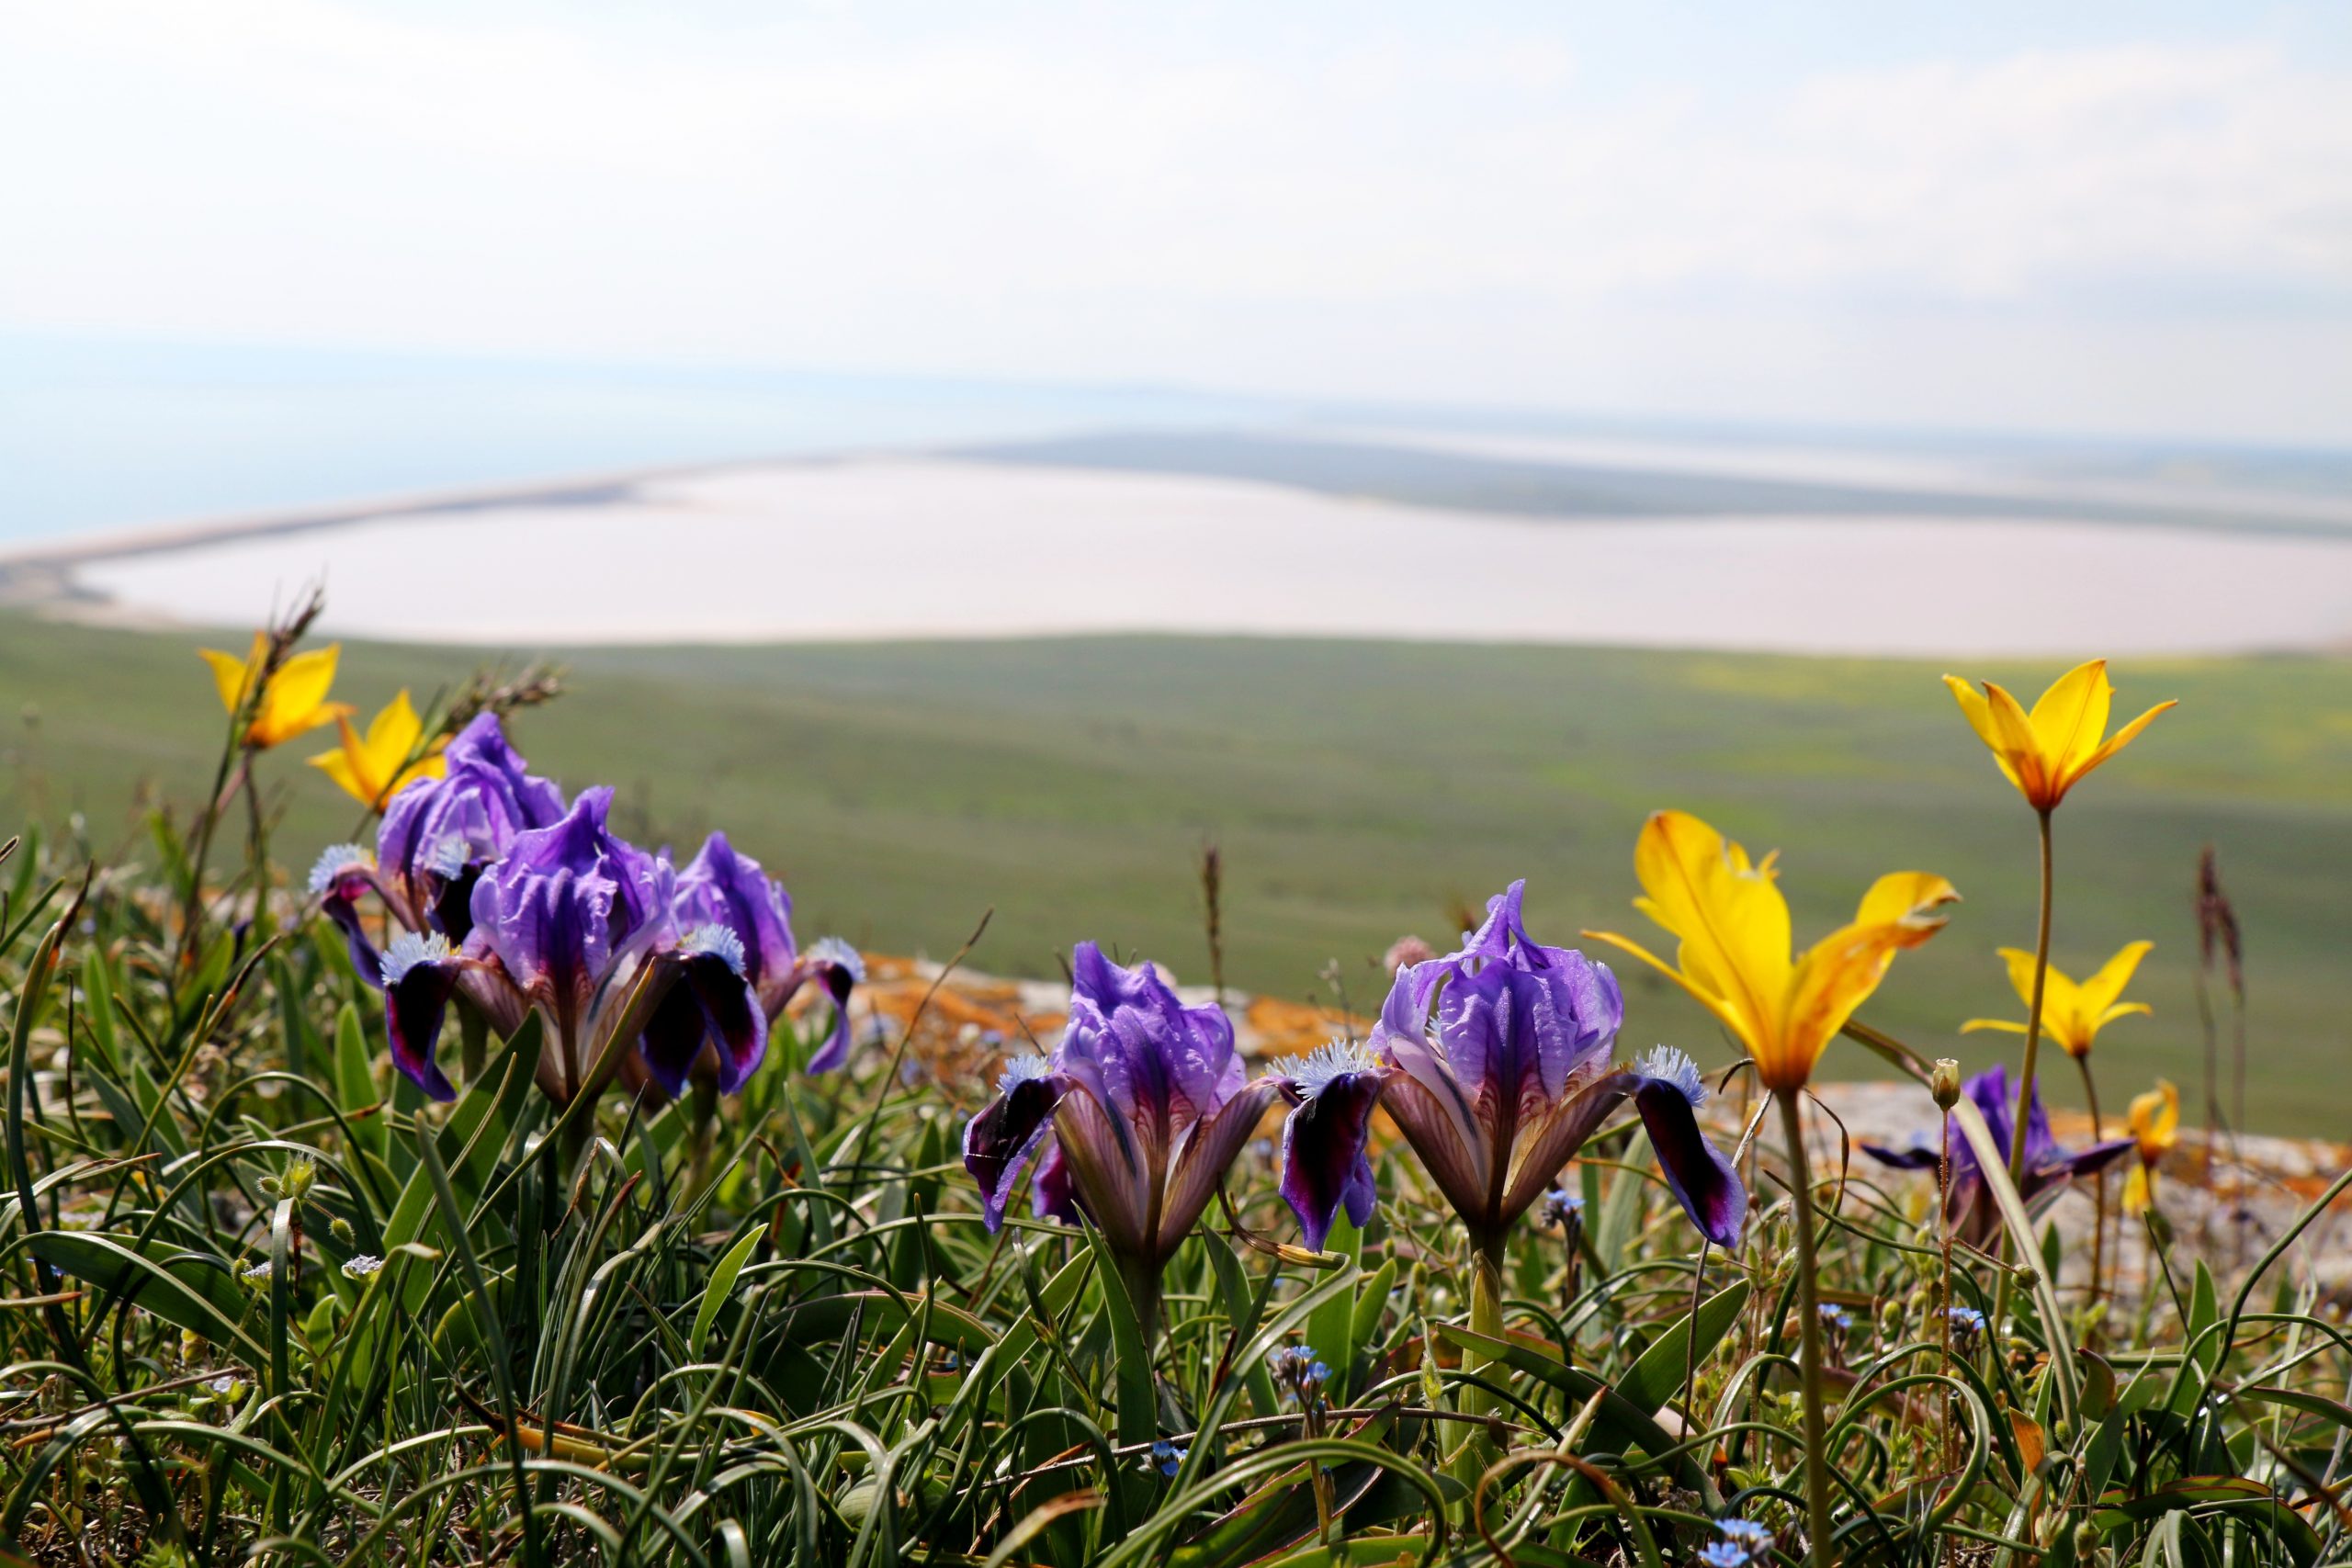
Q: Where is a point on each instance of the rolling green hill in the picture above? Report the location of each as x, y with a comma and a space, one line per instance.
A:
1360, 790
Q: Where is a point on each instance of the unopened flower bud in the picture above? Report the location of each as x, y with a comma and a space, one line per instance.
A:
1943, 1082
296, 1183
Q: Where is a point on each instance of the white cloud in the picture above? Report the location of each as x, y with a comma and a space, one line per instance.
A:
1492, 215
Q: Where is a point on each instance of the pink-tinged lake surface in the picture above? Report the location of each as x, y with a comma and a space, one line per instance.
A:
898, 548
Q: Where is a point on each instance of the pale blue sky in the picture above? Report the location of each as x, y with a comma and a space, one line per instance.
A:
2102, 217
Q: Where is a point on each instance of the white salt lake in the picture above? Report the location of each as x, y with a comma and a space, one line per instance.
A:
894, 547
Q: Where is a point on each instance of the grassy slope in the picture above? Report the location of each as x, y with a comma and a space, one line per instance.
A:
1360, 789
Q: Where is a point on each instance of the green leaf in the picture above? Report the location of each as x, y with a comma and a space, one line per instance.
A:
354, 1083
722, 1282
185, 1289
1138, 1409
1653, 1379
2250, 1501
1993, 1162
1619, 1423
1371, 1299
2317, 1405
2204, 1345
467, 1145
98, 1017
1620, 1215
1328, 1325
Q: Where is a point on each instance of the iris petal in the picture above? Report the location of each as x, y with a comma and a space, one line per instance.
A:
1202, 1162
1699, 1173
1323, 1166
419, 977
1000, 1140
838, 979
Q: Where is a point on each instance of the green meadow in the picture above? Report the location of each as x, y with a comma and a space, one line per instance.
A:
1359, 791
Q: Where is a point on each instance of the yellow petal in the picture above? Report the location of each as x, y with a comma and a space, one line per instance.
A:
2029, 769
2120, 740
231, 674
1972, 704
1744, 1030
2154, 1119
2020, 965
391, 736
1980, 718
2139, 1191
300, 686
2071, 717
336, 765
1837, 974
1734, 924
2098, 992
2061, 1011
2005, 1025
1907, 898
2123, 1010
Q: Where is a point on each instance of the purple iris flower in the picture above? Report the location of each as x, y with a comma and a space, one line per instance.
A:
2048, 1167
580, 925
1147, 1103
439, 835
721, 888
1494, 1062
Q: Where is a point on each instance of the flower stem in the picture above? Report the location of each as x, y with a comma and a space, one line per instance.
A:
2032, 1016
1486, 1318
2099, 1188
1817, 1460
1141, 1276
1944, 1297
1486, 1312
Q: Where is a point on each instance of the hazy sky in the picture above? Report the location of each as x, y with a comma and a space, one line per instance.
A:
2111, 218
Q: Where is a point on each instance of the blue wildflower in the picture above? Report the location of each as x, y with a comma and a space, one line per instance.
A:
1745, 1542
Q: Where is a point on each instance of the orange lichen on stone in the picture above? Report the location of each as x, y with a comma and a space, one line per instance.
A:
1277, 1027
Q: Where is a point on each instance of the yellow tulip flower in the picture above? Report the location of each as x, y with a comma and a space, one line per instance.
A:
2155, 1123
291, 704
2045, 753
1735, 956
2071, 1015
373, 771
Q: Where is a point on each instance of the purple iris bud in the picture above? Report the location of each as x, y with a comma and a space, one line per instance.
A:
1147, 1103
1000, 1140
420, 973
835, 966
720, 887
342, 874
1667, 1095
2049, 1167
710, 1003
1495, 1066
1323, 1166
438, 834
